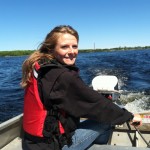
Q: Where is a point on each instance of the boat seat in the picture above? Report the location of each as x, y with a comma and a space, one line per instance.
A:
111, 147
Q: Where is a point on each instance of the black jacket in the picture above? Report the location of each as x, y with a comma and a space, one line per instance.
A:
70, 94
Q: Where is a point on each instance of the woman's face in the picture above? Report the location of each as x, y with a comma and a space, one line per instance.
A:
66, 49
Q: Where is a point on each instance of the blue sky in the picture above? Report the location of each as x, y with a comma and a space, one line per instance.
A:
107, 23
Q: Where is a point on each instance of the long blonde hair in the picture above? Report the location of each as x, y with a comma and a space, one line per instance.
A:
45, 51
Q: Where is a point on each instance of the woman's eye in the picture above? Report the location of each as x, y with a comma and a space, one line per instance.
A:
64, 47
67, 46
74, 46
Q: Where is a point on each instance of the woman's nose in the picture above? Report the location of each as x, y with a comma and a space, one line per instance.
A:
71, 50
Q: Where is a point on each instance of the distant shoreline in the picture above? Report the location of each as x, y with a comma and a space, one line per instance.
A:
28, 52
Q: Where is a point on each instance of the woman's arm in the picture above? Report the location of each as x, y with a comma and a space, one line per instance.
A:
72, 95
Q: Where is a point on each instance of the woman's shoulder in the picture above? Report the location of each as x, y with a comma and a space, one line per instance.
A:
69, 74
70, 77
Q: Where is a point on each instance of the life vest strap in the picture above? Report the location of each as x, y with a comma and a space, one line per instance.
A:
61, 138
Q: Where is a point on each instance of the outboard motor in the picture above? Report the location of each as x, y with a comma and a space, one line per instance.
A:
108, 86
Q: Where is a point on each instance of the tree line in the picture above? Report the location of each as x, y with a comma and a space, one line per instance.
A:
28, 52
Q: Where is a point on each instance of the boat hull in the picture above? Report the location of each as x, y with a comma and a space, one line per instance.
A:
10, 129
122, 138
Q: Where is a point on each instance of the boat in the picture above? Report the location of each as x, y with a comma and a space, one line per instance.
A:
123, 137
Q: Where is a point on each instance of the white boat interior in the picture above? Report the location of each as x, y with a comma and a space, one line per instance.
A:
10, 134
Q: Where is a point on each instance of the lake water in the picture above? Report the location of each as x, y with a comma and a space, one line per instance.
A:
132, 68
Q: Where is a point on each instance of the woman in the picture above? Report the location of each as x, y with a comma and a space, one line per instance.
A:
56, 98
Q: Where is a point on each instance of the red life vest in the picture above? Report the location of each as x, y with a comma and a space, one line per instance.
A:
34, 110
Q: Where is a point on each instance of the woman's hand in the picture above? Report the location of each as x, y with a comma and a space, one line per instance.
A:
136, 121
